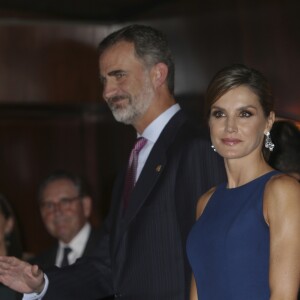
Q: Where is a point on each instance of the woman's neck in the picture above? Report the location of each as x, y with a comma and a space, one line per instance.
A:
241, 171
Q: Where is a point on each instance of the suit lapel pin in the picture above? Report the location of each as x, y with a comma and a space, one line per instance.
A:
158, 168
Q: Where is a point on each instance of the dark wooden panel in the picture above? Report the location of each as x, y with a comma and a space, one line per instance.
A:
37, 140
48, 63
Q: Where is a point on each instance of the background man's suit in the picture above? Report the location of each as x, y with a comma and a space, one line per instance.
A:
142, 255
47, 259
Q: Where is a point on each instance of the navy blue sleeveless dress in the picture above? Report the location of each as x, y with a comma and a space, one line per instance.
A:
228, 246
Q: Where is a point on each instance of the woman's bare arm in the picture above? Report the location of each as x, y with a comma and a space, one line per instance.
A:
193, 291
282, 213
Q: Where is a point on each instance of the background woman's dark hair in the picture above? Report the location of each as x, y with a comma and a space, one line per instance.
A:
286, 154
239, 75
13, 241
150, 44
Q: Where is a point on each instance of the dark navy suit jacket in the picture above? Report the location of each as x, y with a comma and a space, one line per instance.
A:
142, 254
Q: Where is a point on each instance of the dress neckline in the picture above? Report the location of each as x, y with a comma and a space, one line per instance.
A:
250, 182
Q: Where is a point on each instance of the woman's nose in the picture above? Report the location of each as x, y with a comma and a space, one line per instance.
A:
231, 124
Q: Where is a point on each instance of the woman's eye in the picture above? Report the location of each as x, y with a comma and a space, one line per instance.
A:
245, 114
218, 114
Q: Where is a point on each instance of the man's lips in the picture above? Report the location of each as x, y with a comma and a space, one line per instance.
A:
117, 102
231, 142
116, 99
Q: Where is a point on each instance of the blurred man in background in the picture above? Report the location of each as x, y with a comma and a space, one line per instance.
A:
65, 208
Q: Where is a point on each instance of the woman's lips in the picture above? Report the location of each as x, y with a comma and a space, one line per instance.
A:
231, 142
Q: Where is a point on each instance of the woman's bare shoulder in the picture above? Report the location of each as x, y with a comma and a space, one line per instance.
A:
280, 185
282, 196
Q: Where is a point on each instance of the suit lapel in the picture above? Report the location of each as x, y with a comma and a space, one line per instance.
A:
152, 170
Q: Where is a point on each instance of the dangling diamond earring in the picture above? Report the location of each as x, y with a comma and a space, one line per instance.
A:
214, 148
268, 142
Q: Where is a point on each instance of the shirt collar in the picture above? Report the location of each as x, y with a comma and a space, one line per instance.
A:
154, 129
79, 241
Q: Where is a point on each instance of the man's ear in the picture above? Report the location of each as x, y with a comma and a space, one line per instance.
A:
159, 74
87, 206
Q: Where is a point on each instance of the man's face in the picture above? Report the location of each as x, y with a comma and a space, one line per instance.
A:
127, 86
63, 212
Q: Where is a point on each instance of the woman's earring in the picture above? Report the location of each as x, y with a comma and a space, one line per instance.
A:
214, 148
268, 142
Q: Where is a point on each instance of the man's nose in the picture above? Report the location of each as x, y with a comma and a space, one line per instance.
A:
57, 208
109, 89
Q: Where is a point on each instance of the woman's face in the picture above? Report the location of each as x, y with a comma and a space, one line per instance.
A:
237, 123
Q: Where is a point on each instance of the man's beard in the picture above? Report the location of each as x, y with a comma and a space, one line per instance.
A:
134, 108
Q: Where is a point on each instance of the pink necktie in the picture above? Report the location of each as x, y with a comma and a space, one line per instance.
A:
131, 169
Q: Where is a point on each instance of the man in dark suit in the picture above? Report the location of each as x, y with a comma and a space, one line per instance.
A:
142, 251
65, 208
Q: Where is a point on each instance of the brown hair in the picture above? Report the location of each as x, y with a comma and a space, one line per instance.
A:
236, 75
150, 44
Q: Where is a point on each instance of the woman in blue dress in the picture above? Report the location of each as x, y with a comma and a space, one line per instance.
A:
245, 244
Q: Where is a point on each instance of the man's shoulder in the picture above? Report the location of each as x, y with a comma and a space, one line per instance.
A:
45, 258
93, 240
94, 234
190, 130
182, 126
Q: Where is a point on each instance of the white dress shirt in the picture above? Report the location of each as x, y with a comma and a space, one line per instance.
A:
151, 133
77, 245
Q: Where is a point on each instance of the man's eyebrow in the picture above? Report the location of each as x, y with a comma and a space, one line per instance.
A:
111, 74
115, 72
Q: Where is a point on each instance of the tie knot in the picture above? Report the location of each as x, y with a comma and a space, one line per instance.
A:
139, 144
67, 250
